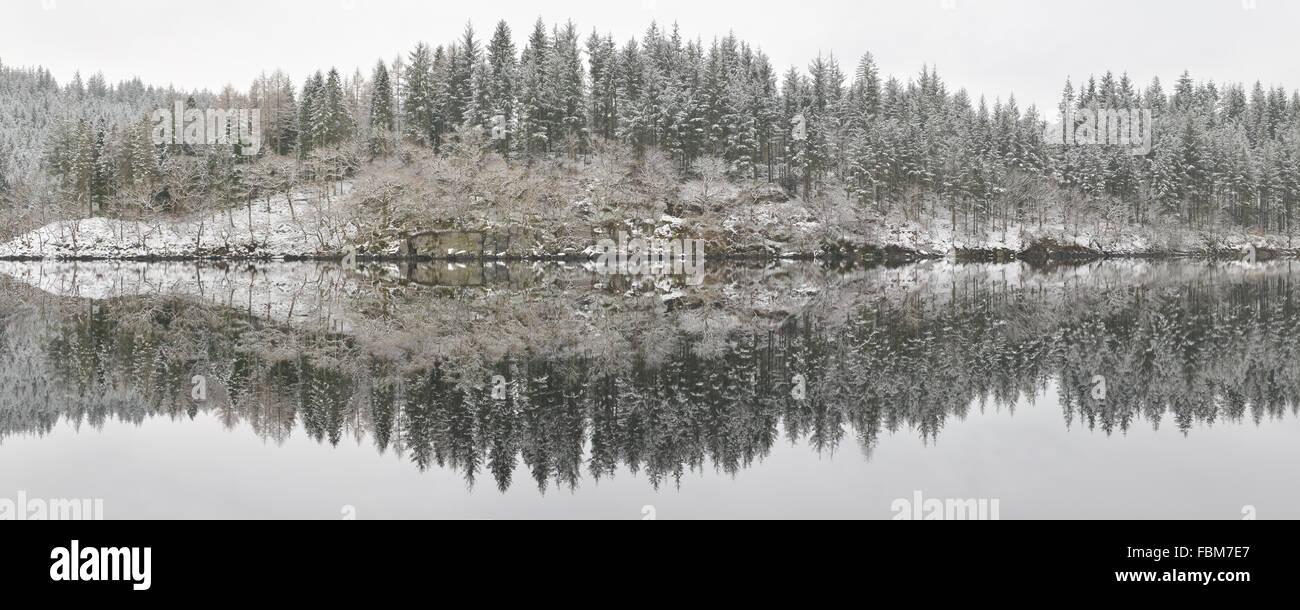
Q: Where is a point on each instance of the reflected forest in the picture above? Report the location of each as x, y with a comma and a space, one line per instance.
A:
559, 374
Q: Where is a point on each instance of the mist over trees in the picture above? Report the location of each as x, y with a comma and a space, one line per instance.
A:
877, 146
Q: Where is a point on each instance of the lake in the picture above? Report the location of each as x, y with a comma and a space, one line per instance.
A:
1119, 389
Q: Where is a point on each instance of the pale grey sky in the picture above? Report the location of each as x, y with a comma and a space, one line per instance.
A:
993, 47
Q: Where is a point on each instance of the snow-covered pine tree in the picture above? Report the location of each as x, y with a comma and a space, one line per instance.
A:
602, 59
286, 124
566, 94
382, 114
397, 76
418, 104
339, 126
629, 89
308, 111
1277, 113
1154, 97
356, 96
1257, 114
445, 115
534, 98
143, 152
461, 80
479, 113
503, 79
865, 93
1184, 93
1234, 104
76, 88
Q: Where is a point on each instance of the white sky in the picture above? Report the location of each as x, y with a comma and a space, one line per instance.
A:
992, 47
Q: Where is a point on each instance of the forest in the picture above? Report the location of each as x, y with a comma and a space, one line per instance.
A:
863, 156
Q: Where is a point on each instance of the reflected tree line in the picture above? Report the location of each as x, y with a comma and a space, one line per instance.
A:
1194, 351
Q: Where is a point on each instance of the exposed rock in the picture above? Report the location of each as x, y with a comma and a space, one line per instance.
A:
468, 244
1048, 249
446, 244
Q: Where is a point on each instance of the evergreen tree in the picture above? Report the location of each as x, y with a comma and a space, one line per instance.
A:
865, 94
603, 111
1154, 97
503, 78
418, 105
337, 122
308, 112
565, 95
534, 99
480, 111
382, 116
1257, 115
461, 80
1184, 93
445, 115
631, 120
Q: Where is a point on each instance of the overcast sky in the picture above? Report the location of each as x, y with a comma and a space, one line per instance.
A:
991, 47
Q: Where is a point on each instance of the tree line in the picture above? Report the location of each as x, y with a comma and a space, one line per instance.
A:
1223, 154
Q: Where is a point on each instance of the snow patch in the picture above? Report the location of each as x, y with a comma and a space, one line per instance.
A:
275, 230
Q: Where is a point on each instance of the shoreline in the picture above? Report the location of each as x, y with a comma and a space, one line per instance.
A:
890, 254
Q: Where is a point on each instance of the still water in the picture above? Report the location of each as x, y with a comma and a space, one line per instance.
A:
1131, 389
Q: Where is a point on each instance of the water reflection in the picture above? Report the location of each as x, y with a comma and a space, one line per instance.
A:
574, 375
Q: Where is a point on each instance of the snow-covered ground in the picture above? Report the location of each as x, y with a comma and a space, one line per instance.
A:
303, 295
781, 229
937, 239
265, 231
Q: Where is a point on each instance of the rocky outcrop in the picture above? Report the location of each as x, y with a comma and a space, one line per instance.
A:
467, 245
446, 244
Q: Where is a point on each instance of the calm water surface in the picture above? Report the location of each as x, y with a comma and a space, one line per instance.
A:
1110, 390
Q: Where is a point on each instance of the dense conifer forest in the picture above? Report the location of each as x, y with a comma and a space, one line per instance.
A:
856, 150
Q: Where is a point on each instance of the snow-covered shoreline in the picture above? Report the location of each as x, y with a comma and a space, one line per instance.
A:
262, 230
314, 228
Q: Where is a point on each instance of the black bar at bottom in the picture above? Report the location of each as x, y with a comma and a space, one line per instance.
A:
320, 560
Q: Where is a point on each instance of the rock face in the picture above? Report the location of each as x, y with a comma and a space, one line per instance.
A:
448, 244
465, 244
498, 243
